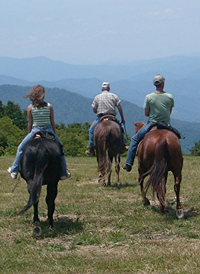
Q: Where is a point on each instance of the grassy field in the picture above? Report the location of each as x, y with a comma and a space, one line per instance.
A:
101, 229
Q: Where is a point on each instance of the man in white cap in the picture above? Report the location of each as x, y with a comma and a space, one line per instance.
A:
103, 104
158, 107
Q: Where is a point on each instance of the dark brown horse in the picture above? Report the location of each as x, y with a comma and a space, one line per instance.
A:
108, 140
158, 153
41, 165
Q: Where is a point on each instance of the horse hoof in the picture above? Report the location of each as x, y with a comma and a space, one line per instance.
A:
146, 202
101, 183
37, 231
180, 213
51, 227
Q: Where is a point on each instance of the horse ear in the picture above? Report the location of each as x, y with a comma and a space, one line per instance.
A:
136, 124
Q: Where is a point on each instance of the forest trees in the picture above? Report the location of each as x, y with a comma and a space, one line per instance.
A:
13, 128
195, 150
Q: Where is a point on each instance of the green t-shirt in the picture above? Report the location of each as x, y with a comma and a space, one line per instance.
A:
41, 116
159, 105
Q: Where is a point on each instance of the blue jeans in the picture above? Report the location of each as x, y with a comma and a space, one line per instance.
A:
135, 141
91, 132
29, 137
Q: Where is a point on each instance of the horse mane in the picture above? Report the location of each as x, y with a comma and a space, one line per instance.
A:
138, 125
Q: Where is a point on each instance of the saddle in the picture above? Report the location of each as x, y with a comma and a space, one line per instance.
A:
50, 136
45, 134
164, 125
109, 117
112, 118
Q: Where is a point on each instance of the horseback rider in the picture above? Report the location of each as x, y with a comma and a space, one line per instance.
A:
104, 103
158, 107
40, 117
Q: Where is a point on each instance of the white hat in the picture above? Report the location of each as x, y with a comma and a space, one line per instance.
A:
158, 79
105, 85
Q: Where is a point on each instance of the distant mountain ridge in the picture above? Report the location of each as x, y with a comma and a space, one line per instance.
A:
42, 68
131, 81
71, 107
185, 92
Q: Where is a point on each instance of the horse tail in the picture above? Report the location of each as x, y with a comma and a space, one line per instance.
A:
40, 162
158, 171
104, 164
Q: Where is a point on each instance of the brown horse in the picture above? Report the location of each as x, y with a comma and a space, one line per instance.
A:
158, 153
108, 141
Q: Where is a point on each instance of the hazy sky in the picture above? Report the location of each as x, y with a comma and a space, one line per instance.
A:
95, 31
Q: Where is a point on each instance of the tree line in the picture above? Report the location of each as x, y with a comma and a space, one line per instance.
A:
13, 128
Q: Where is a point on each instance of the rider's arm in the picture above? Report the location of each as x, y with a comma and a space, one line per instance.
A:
30, 118
121, 113
146, 112
94, 110
52, 118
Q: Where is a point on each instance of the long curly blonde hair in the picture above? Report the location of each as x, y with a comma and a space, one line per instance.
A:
36, 95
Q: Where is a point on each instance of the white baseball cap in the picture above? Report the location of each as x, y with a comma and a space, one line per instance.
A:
105, 85
158, 79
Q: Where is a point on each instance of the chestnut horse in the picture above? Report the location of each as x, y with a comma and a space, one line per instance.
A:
158, 153
108, 141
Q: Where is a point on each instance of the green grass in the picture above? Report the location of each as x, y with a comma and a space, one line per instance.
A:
101, 229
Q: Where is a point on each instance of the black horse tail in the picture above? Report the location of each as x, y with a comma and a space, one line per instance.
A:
158, 172
40, 162
104, 162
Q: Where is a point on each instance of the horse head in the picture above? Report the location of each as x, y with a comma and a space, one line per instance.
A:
138, 125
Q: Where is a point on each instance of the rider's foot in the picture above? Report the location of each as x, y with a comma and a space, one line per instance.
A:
127, 167
124, 149
64, 177
90, 152
12, 174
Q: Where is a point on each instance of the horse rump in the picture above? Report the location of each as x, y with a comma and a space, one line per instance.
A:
40, 164
159, 170
158, 153
108, 140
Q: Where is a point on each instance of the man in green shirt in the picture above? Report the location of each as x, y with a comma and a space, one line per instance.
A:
158, 107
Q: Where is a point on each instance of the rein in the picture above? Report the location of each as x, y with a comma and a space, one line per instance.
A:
16, 184
125, 132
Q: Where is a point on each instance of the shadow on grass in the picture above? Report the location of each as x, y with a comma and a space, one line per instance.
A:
125, 185
188, 213
62, 226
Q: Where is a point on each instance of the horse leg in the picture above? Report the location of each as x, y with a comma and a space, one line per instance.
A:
50, 200
179, 210
145, 200
101, 179
177, 191
37, 231
35, 216
35, 206
109, 178
117, 168
110, 171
